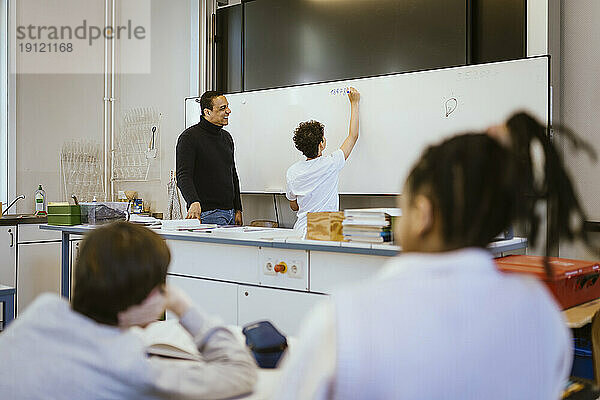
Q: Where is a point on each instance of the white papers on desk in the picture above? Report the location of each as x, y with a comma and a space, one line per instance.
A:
175, 224
143, 220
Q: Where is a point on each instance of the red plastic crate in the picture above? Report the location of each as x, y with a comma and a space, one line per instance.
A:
574, 282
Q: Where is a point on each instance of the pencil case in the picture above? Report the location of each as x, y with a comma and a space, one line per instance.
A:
266, 343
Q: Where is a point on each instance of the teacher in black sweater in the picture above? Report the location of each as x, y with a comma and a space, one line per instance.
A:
206, 173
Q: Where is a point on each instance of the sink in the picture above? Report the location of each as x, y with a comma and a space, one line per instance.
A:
12, 219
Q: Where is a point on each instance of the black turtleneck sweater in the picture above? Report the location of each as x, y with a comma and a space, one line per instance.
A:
206, 168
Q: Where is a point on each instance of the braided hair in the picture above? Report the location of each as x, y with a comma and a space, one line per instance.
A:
478, 187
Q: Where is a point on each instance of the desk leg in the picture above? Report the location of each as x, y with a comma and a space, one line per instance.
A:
8, 309
65, 273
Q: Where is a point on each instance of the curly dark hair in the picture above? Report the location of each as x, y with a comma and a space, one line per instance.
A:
307, 137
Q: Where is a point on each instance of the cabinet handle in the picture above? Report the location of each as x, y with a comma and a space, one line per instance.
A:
12, 238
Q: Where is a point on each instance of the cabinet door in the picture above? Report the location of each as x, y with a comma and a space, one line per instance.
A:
330, 270
224, 262
8, 255
216, 298
38, 271
284, 308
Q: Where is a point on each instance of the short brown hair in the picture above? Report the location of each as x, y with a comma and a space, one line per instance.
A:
307, 137
118, 266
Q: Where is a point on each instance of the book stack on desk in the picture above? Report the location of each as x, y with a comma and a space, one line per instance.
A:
369, 225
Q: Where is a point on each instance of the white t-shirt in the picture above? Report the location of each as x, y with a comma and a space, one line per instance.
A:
314, 184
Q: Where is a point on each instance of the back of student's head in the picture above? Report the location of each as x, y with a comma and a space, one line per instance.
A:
478, 187
118, 266
307, 137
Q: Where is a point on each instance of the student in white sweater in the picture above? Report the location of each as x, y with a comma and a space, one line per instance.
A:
312, 184
85, 350
440, 321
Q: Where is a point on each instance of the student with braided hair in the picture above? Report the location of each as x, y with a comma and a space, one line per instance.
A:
440, 321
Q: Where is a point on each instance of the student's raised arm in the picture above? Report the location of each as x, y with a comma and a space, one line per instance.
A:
348, 145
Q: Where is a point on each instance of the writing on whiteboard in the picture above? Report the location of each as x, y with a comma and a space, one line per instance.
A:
339, 91
468, 75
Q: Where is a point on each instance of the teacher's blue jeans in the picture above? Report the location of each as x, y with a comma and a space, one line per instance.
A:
219, 217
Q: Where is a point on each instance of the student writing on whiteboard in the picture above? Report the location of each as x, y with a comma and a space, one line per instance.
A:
206, 173
312, 184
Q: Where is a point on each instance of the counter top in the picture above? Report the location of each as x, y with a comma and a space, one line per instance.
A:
284, 239
19, 219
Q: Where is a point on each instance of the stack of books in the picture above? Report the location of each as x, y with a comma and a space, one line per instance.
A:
369, 225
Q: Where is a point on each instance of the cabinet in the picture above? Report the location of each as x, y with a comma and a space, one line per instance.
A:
38, 271
241, 304
216, 298
38, 264
330, 270
214, 261
8, 255
286, 309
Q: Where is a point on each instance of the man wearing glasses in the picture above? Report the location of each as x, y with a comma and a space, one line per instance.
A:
206, 173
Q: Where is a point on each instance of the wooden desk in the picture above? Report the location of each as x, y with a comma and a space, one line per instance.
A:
581, 315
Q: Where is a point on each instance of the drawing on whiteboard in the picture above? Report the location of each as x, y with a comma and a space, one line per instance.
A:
451, 105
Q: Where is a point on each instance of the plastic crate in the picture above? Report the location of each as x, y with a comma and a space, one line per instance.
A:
96, 213
583, 363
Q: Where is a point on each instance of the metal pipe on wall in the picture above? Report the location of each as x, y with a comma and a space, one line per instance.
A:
12, 103
108, 174
206, 46
108, 99
202, 46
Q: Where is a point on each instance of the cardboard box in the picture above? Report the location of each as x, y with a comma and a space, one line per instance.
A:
574, 282
325, 226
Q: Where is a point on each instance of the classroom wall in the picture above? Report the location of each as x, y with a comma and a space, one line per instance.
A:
164, 90
580, 98
50, 109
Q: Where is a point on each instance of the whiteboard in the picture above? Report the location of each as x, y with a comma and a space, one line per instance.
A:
400, 115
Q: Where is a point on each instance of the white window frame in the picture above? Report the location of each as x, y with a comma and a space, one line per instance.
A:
4, 101
7, 102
